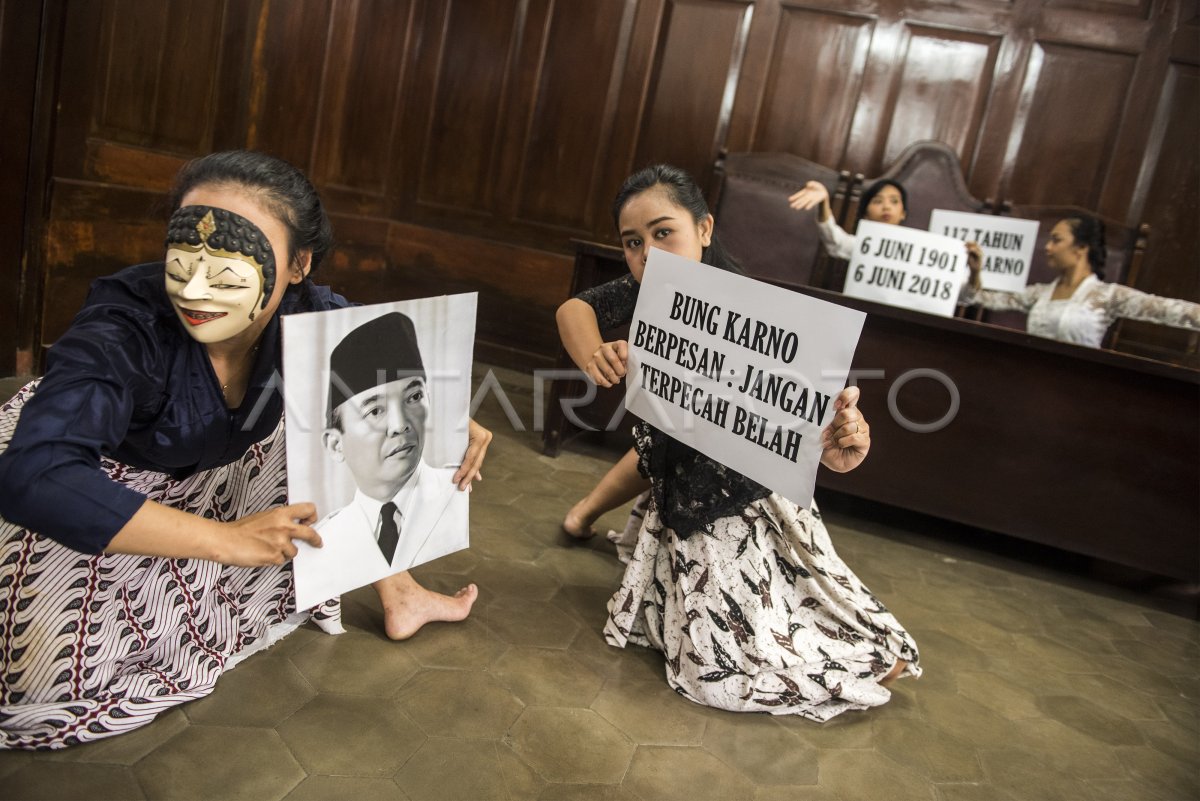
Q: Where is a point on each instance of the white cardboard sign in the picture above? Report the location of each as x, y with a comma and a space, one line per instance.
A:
905, 267
1007, 243
409, 384
742, 371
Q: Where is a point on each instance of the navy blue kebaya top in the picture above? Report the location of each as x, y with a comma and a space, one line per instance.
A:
126, 381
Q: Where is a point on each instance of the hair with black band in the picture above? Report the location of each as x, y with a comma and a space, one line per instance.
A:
282, 188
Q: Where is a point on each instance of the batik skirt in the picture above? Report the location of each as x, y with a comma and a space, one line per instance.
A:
93, 646
758, 613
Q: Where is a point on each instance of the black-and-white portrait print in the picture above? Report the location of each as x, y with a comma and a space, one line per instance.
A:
377, 404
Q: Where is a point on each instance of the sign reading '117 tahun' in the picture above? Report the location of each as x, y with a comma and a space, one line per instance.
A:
1007, 244
742, 371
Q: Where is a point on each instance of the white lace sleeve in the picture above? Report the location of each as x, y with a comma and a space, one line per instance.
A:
838, 243
999, 301
1133, 304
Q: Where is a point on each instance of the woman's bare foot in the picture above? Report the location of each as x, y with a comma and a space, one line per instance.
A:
894, 673
577, 523
407, 606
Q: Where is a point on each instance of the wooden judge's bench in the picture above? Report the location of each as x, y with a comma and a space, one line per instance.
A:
1091, 451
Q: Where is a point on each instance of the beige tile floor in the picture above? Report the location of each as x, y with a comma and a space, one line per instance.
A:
1042, 682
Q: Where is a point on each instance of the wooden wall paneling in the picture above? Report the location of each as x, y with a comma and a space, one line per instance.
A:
563, 148
519, 288
751, 82
690, 99
285, 70
985, 171
155, 92
134, 38
633, 71
93, 230
1171, 266
361, 103
814, 83
1066, 128
471, 82
864, 152
945, 79
20, 33
1139, 9
1118, 197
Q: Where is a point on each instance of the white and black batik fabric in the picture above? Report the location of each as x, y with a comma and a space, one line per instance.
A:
757, 613
93, 646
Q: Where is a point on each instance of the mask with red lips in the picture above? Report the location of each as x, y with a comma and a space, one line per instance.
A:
220, 271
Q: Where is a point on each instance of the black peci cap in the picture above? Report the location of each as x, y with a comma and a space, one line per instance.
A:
377, 352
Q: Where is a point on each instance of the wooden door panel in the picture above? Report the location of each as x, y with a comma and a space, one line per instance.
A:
362, 100
942, 91
813, 84
1174, 195
150, 92
1067, 127
573, 110
1139, 9
284, 79
465, 126
690, 97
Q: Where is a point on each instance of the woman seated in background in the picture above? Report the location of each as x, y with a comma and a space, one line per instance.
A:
144, 540
1077, 306
884, 201
739, 588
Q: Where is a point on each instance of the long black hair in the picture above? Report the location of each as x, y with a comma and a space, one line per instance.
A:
1088, 232
683, 191
282, 188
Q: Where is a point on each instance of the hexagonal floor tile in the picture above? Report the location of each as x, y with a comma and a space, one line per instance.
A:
254, 765
516, 579
866, 773
459, 703
584, 567
764, 751
351, 735
547, 677
651, 713
928, 749
691, 773
519, 621
453, 770
497, 542
575, 746
467, 645
325, 788
355, 663
70, 781
262, 691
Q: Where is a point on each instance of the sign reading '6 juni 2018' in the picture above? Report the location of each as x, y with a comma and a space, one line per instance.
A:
742, 371
906, 267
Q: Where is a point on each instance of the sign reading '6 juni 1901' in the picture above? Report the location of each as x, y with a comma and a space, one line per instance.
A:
906, 267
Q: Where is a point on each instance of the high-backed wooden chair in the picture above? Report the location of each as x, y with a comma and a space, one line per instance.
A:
1125, 248
758, 227
932, 175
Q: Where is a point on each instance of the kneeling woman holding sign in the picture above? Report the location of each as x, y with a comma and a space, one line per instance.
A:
738, 587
